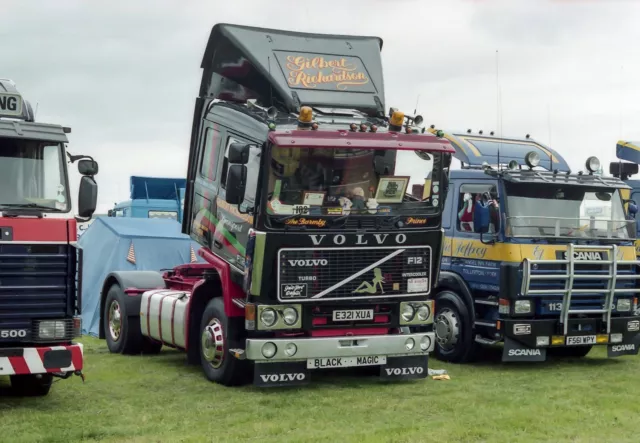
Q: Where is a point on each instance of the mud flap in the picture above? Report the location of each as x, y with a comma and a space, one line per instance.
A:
405, 368
631, 347
268, 375
516, 352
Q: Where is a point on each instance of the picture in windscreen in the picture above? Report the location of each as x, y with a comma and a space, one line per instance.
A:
321, 181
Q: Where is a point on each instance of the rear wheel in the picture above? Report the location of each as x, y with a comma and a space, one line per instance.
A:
31, 385
122, 328
217, 335
569, 351
453, 327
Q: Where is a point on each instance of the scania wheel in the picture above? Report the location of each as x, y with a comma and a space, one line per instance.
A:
453, 328
31, 385
217, 335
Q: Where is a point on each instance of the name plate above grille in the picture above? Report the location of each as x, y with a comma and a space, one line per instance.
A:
323, 274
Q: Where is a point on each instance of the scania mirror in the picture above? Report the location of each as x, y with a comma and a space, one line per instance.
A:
239, 153
88, 167
87, 197
236, 184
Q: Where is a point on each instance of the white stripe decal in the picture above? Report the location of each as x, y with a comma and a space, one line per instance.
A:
32, 358
5, 366
359, 273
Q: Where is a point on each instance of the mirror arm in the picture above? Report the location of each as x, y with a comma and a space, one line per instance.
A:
74, 158
82, 219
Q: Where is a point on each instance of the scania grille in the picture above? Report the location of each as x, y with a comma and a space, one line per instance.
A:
33, 283
324, 274
588, 284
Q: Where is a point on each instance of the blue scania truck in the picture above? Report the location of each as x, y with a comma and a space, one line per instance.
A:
536, 256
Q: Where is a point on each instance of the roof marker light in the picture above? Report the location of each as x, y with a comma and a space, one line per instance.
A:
396, 120
593, 164
532, 159
468, 131
306, 117
373, 128
363, 127
353, 127
480, 132
491, 133
527, 136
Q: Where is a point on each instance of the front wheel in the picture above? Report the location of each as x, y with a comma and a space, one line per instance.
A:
453, 327
31, 385
217, 333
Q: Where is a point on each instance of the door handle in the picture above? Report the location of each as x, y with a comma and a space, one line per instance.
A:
217, 244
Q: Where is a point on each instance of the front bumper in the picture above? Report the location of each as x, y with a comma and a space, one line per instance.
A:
528, 335
345, 346
42, 360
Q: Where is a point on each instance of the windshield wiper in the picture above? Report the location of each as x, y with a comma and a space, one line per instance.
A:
28, 206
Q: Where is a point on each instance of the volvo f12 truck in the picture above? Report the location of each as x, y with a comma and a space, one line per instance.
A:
536, 256
317, 254
39, 281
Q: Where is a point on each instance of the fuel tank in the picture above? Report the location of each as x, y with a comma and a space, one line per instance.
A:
163, 314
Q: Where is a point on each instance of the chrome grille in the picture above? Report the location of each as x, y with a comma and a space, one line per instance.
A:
323, 274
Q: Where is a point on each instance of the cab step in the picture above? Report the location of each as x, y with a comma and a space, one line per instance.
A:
485, 341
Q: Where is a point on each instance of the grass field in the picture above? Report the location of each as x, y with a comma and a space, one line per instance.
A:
160, 399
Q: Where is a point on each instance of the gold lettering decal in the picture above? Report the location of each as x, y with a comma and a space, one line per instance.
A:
311, 72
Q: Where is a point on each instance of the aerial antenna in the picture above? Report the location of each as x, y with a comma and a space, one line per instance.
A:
35, 114
270, 83
620, 90
498, 106
549, 136
415, 111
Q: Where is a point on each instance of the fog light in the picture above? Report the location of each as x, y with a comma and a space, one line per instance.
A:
542, 341
424, 312
522, 306
290, 316
269, 349
268, 317
425, 343
409, 344
602, 338
51, 330
616, 338
557, 340
624, 304
408, 312
290, 349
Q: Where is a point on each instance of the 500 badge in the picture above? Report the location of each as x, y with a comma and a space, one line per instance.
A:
13, 333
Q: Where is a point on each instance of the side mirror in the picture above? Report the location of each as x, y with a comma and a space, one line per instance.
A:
236, 184
239, 153
87, 197
88, 167
110, 213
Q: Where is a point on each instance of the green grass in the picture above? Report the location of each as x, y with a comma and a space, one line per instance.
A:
160, 399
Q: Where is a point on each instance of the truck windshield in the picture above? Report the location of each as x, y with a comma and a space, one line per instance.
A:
323, 181
32, 175
566, 211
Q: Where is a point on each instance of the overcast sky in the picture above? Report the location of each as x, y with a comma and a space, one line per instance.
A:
124, 74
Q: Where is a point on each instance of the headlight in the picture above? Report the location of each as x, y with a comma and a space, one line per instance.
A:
291, 349
269, 349
624, 304
532, 159
423, 312
409, 344
425, 342
51, 330
268, 317
522, 306
290, 316
593, 164
408, 312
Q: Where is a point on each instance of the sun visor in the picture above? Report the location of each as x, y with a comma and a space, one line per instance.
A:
291, 69
475, 150
629, 151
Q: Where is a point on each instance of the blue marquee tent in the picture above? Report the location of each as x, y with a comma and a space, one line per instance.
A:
127, 244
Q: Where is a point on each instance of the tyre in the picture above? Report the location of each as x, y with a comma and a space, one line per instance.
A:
31, 385
569, 351
453, 327
122, 328
217, 335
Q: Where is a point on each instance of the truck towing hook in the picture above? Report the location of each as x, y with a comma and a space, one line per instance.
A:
80, 374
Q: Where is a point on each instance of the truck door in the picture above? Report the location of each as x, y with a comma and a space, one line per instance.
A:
233, 222
478, 263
